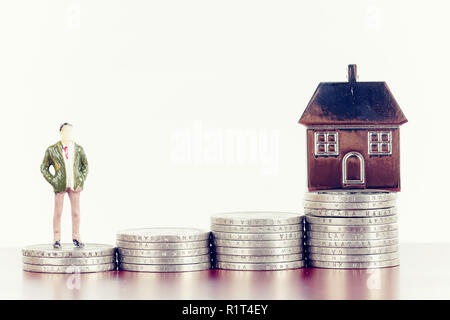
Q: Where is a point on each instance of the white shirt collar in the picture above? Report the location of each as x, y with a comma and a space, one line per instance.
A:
70, 144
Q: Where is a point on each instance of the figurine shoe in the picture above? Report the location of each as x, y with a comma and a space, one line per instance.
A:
57, 245
78, 243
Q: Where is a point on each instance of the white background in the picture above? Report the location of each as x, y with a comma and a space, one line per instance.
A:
153, 87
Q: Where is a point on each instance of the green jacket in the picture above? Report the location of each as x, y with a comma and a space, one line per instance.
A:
54, 157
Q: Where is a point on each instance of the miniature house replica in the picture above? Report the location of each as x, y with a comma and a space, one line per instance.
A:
353, 138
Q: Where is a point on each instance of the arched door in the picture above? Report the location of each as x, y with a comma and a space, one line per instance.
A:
353, 169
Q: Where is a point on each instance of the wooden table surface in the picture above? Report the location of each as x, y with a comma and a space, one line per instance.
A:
423, 274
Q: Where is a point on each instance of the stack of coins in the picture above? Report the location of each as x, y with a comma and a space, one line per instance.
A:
69, 259
354, 229
164, 250
258, 240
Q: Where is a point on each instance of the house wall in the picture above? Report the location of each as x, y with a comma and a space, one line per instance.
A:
381, 172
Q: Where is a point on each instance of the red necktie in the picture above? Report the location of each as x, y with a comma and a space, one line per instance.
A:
66, 150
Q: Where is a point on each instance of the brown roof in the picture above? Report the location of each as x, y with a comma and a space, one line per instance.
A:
352, 103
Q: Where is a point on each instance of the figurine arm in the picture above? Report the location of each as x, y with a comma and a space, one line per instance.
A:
45, 165
84, 166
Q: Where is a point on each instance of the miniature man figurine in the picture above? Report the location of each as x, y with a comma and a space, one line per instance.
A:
71, 168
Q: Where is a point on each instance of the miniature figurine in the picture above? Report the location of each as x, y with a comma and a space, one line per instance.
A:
71, 168
353, 138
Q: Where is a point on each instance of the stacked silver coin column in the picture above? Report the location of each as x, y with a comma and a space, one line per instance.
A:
258, 240
164, 250
69, 259
351, 229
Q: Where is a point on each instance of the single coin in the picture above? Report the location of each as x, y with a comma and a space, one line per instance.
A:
353, 258
351, 251
258, 229
371, 228
68, 250
352, 244
258, 251
349, 205
258, 236
351, 213
258, 244
261, 266
69, 269
353, 265
163, 245
163, 235
350, 196
176, 260
259, 259
351, 221
165, 268
257, 218
163, 253
69, 261
339, 236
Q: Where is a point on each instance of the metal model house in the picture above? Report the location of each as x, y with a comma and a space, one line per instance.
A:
353, 136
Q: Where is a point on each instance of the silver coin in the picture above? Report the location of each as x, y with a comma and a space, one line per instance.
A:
351, 244
259, 259
351, 251
339, 236
353, 258
69, 269
68, 250
163, 235
349, 205
68, 261
350, 196
256, 218
371, 228
258, 251
351, 213
163, 253
165, 268
352, 221
258, 244
175, 260
354, 265
163, 245
258, 229
258, 236
261, 266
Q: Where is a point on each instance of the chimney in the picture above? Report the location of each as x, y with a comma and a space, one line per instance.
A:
352, 76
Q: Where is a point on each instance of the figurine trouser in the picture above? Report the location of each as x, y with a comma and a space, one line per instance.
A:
74, 197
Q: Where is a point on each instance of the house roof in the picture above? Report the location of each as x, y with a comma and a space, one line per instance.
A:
352, 103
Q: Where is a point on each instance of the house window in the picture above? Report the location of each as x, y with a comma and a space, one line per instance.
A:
326, 143
380, 143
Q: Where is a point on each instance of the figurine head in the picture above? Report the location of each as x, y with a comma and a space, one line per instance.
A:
66, 131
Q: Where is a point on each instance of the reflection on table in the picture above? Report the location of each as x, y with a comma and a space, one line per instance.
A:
307, 283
